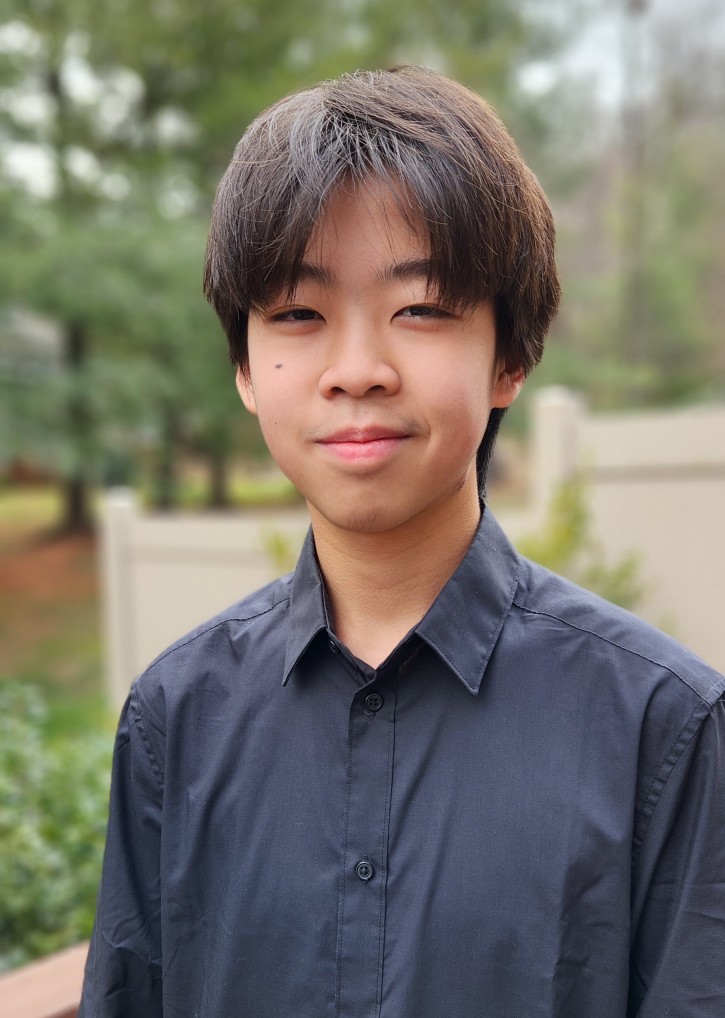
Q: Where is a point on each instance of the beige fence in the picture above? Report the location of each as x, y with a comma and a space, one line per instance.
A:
163, 574
655, 483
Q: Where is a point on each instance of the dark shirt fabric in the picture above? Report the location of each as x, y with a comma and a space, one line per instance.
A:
519, 814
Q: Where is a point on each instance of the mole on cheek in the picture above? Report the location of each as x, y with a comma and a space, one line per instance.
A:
278, 365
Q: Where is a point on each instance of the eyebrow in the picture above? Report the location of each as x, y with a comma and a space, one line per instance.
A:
402, 272
310, 273
414, 268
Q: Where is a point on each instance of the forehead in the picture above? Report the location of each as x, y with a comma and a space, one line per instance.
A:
376, 216
373, 215
363, 242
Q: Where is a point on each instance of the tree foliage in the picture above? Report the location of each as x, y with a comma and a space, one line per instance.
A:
641, 232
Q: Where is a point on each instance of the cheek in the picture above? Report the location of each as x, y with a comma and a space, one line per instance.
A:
273, 390
279, 419
463, 402
271, 420
278, 439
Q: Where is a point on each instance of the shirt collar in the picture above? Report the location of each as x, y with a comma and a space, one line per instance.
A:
307, 606
464, 622
461, 626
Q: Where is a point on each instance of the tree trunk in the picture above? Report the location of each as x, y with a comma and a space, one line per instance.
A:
76, 488
166, 468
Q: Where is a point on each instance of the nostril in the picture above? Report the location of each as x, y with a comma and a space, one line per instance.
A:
358, 376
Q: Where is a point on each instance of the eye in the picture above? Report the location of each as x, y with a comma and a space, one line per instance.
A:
424, 311
296, 315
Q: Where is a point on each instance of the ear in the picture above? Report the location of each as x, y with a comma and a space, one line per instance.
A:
507, 385
245, 390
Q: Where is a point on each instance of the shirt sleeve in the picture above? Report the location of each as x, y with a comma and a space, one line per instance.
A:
123, 971
678, 950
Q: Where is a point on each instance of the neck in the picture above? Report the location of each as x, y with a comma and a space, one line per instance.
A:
380, 585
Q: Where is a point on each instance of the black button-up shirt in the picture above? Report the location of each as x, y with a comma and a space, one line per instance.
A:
518, 814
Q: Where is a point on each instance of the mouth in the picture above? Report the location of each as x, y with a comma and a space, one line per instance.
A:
363, 445
362, 436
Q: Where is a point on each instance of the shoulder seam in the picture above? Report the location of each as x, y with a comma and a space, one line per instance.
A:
180, 644
685, 736
152, 758
619, 646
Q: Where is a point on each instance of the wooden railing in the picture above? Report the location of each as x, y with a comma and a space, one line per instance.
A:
49, 988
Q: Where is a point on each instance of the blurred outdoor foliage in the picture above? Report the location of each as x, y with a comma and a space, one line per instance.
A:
53, 807
117, 119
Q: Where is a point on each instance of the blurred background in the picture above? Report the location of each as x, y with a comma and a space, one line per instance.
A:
117, 118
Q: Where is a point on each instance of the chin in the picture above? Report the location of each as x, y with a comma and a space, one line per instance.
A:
366, 521
361, 520
357, 519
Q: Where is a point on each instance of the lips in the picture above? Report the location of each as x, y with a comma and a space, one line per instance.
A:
366, 445
362, 436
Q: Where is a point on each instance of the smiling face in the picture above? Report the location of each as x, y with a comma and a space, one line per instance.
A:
371, 395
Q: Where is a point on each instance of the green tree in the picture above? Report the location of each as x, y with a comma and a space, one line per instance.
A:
640, 234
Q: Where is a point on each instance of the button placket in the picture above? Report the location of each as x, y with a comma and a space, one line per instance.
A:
363, 885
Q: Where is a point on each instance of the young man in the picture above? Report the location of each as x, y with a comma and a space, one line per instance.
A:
420, 777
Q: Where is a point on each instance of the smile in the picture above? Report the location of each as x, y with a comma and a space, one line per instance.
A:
363, 445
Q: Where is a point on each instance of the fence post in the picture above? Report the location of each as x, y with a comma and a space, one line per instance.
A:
119, 512
557, 414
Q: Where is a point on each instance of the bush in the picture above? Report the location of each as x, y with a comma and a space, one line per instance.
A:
565, 546
53, 811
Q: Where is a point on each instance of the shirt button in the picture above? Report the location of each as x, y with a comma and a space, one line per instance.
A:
373, 701
364, 870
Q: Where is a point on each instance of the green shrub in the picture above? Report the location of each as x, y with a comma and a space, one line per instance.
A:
566, 546
281, 548
53, 811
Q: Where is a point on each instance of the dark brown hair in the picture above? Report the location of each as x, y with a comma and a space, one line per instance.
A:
454, 171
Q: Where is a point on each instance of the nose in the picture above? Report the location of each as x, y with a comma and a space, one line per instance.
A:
359, 363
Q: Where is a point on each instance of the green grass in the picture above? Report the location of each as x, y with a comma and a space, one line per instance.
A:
28, 507
26, 513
